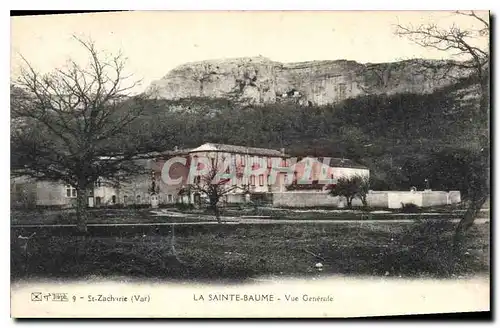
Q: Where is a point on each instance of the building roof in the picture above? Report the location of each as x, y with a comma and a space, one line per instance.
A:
236, 149
337, 162
183, 151
347, 163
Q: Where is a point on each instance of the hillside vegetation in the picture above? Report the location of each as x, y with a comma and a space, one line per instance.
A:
403, 138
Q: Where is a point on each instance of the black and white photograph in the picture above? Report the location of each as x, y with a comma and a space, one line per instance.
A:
250, 164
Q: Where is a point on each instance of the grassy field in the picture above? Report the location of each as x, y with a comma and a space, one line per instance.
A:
238, 252
146, 215
68, 216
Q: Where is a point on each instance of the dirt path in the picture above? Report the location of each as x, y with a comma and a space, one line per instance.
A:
233, 221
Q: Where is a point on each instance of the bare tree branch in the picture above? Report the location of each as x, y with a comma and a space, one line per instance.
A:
459, 41
72, 116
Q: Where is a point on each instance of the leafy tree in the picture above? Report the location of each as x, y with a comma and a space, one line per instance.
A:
353, 187
345, 187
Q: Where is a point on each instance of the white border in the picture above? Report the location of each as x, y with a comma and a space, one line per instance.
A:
191, 5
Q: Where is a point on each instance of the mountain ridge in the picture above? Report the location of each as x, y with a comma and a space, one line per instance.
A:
260, 80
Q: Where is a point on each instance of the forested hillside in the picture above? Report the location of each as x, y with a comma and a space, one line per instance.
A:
403, 138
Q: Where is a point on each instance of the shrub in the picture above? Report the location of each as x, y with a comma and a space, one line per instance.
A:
111, 206
350, 188
138, 206
184, 207
409, 208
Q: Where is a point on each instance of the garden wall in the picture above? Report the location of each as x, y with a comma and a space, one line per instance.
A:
434, 198
381, 199
395, 199
304, 199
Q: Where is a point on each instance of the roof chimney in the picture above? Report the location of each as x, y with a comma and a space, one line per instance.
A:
176, 148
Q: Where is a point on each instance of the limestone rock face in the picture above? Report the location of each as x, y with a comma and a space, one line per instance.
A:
258, 80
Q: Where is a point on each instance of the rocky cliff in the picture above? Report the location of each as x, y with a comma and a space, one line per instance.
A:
260, 80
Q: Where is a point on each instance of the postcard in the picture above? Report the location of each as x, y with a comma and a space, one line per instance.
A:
250, 164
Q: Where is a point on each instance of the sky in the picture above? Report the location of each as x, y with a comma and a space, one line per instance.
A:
155, 42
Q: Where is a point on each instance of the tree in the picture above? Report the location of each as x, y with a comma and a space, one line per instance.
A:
465, 42
353, 187
214, 181
345, 187
71, 125
363, 188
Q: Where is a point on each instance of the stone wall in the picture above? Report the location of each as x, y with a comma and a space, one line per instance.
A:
304, 199
454, 197
381, 199
234, 198
395, 199
377, 199
434, 198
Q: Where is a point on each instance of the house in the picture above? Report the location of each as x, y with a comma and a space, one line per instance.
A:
311, 169
252, 170
28, 192
258, 173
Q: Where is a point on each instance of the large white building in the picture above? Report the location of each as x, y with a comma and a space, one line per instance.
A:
266, 171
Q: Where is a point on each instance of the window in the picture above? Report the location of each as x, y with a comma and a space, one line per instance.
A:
125, 198
70, 191
138, 197
252, 180
98, 183
269, 162
169, 198
261, 180
113, 199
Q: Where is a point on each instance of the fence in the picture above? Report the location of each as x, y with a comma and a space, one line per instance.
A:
381, 199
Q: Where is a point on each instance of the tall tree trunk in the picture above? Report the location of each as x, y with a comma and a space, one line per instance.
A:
81, 209
364, 201
468, 219
215, 208
484, 100
81, 224
217, 214
349, 202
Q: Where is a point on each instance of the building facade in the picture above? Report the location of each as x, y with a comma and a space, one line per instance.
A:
255, 173
249, 170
